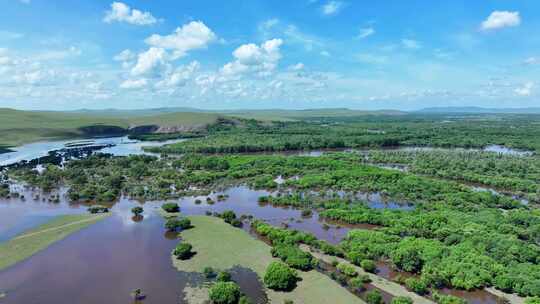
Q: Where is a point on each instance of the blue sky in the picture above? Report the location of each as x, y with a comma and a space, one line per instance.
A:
269, 54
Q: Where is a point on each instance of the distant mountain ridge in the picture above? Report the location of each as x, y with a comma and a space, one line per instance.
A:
480, 110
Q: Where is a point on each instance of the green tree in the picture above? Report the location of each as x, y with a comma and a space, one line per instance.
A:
224, 293
279, 276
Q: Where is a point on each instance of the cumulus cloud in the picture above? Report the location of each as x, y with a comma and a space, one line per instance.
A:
254, 58
525, 90
151, 62
180, 76
332, 8
125, 55
366, 32
134, 83
501, 19
191, 36
121, 12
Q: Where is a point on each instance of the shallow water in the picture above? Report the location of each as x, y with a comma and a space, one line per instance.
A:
122, 146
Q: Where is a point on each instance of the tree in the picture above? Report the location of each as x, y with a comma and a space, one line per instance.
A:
347, 269
223, 276
416, 285
374, 297
137, 210
224, 293
368, 265
279, 276
174, 224
183, 251
170, 207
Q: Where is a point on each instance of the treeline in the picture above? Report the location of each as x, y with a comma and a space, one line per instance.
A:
516, 174
361, 132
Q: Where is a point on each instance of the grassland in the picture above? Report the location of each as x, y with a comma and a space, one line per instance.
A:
19, 127
29, 243
222, 246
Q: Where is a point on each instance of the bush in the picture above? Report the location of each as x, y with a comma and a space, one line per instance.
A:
228, 216
293, 256
224, 293
356, 283
347, 269
368, 265
209, 272
198, 202
223, 276
534, 300
279, 276
307, 213
416, 285
183, 251
137, 210
447, 299
244, 300
374, 297
402, 300
174, 224
98, 209
170, 207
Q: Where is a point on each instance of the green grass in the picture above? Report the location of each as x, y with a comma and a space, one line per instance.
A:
222, 246
19, 127
31, 242
291, 115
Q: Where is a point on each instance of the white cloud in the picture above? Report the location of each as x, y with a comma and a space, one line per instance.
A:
325, 54
125, 55
501, 19
151, 62
410, 44
8, 35
180, 76
134, 83
121, 12
191, 36
531, 61
332, 8
254, 58
297, 67
525, 90
366, 32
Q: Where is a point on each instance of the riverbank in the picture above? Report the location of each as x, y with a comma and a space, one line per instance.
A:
221, 246
31, 242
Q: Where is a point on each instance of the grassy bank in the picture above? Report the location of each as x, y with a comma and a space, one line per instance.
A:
29, 243
222, 246
19, 127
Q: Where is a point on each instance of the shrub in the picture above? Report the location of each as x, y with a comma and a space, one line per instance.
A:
98, 209
174, 224
293, 256
183, 251
347, 269
223, 276
402, 300
356, 283
228, 216
534, 300
224, 293
279, 276
209, 272
416, 285
170, 207
307, 213
374, 297
288, 302
137, 210
447, 299
368, 265
198, 202
244, 300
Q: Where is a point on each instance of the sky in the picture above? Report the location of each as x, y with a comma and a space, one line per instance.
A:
255, 54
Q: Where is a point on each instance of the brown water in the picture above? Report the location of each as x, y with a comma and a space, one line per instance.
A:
474, 296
